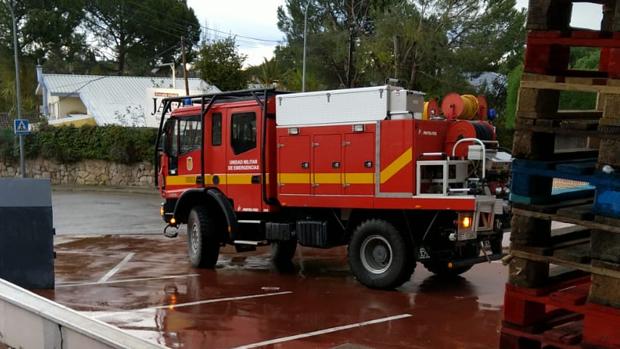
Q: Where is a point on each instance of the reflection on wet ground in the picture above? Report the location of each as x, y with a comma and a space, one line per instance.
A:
156, 295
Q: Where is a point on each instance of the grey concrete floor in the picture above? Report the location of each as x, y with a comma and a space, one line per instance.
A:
96, 213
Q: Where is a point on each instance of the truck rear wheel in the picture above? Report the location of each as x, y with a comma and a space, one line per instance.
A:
203, 238
380, 256
282, 252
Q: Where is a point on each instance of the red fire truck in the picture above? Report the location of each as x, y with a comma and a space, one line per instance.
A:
364, 167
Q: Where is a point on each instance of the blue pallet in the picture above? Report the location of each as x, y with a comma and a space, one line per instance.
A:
578, 170
531, 184
564, 194
607, 202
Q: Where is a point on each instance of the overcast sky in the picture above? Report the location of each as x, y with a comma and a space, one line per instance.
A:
257, 19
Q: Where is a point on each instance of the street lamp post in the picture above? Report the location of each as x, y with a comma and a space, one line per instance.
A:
18, 95
303, 68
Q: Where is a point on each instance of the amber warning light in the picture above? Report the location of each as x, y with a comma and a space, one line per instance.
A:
465, 222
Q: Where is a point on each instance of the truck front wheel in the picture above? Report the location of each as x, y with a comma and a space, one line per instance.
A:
203, 238
380, 256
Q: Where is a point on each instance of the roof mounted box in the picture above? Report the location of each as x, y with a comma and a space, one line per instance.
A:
356, 105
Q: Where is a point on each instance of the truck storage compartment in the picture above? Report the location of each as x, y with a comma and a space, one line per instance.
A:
345, 106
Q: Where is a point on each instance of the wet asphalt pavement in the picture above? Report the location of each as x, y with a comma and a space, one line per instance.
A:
245, 302
144, 284
92, 212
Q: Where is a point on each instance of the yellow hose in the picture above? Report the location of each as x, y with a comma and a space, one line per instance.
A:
470, 109
425, 112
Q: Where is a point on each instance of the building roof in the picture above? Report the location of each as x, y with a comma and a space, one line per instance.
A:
109, 98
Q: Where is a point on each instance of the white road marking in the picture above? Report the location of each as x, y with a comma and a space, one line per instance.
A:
125, 280
118, 267
189, 304
320, 332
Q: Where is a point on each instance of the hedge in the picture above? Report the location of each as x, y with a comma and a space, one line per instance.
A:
68, 144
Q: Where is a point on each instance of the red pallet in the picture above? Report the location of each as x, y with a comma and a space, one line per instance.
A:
548, 52
558, 316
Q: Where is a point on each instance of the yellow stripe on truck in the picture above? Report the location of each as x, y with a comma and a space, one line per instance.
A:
359, 178
240, 178
403, 160
390, 171
181, 180
294, 178
327, 178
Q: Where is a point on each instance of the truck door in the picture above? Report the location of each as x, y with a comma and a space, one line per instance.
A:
215, 151
359, 167
189, 145
294, 164
326, 165
182, 139
243, 173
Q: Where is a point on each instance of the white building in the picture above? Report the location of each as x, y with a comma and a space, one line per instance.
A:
106, 100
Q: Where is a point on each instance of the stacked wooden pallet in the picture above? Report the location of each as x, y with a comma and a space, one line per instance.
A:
576, 302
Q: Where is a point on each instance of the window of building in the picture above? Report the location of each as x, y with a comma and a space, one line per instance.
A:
243, 132
216, 129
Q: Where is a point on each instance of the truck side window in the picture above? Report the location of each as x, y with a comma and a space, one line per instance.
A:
243, 132
190, 133
216, 129
171, 139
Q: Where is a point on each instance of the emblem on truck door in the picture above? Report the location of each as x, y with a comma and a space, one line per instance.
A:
190, 163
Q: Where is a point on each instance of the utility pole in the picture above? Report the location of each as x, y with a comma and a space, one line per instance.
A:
396, 54
184, 66
303, 68
18, 96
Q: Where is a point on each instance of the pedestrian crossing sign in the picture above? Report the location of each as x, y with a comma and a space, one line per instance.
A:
21, 127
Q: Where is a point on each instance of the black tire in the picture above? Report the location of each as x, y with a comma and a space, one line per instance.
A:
203, 238
379, 256
441, 269
282, 252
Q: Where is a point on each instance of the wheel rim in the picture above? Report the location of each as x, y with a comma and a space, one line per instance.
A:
194, 232
376, 254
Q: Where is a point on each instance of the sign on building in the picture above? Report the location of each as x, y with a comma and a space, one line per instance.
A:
154, 103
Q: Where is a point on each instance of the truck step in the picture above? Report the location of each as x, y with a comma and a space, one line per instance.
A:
251, 242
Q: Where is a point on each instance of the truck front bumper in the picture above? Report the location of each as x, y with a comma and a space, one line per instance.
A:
476, 260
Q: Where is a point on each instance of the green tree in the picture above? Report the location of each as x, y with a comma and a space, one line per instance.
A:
140, 33
432, 45
45, 28
266, 73
514, 80
221, 64
336, 29
435, 45
47, 34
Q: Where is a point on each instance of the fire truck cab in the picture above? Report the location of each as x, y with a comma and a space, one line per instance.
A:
358, 167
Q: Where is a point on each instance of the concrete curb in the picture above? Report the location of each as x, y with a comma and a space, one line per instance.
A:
31, 321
